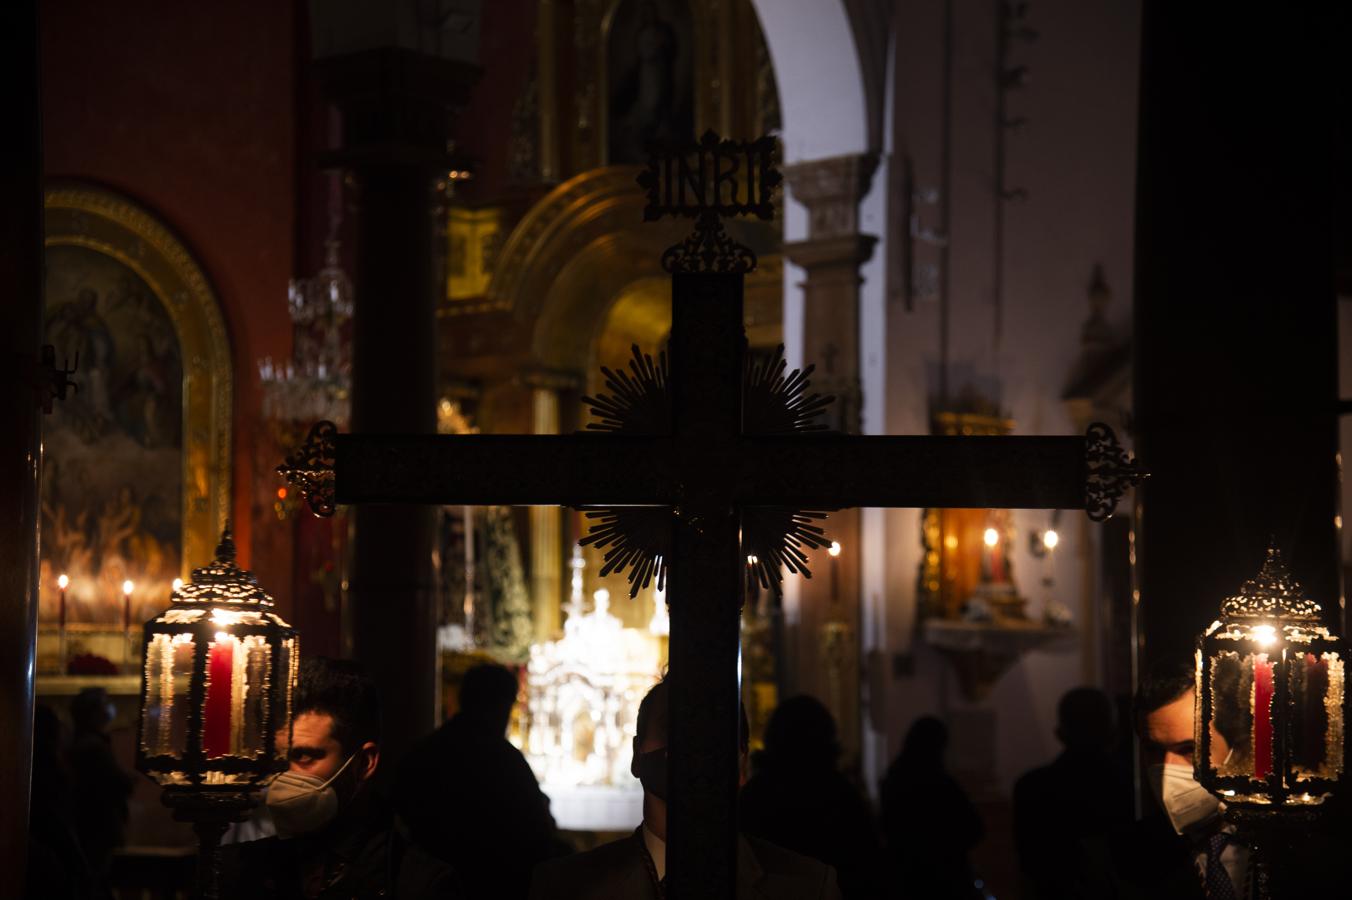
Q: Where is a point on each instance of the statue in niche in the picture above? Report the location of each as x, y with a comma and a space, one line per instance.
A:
649, 54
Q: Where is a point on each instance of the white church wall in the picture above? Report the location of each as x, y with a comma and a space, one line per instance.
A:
1076, 159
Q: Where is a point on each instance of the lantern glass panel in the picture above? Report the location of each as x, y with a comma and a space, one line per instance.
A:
256, 687
1316, 701
1242, 687
168, 662
286, 665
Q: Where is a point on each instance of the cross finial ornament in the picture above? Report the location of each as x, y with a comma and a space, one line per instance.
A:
709, 180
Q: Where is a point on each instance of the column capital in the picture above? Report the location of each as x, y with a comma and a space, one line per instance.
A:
831, 189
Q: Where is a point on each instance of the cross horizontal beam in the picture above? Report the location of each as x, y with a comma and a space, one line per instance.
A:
802, 471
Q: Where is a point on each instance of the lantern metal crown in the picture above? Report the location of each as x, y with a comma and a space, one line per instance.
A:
1271, 699
217, 682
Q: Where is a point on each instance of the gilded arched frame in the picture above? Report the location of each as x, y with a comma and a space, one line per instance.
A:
112, 225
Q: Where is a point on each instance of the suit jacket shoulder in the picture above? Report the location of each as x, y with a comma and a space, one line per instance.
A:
770, 871
613, 870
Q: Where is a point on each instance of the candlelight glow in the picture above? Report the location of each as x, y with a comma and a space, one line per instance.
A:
991, 537
127, 587
178, 583
1050, 539
835, 548
62, 581
1264, 635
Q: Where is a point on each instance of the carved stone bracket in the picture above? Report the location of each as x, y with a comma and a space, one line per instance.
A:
981, 652
309, 469
1111, 471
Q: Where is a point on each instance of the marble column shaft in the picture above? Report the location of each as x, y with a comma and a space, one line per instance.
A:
830, 256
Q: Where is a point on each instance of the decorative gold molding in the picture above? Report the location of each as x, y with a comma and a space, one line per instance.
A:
108, 223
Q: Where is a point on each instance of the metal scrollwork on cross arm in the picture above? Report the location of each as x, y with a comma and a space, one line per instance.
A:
1111, 471
309, 469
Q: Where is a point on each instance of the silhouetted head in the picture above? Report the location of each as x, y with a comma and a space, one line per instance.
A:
802, 732
925, 744
91, 710
651, 727
1084, 719
487, 696
46, 734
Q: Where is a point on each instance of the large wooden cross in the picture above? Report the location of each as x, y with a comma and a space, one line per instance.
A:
693, 485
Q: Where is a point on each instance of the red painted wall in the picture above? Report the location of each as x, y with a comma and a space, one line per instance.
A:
190, 109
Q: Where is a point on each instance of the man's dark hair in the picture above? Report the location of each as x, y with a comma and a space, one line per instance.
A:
488, 692
341, 689
1084, 719
1163, 682
653, 716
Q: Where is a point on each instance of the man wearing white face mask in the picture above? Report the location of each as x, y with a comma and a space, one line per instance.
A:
336, 835
1187, 852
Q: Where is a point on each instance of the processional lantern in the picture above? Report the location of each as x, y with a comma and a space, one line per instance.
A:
1271, 701
217, 682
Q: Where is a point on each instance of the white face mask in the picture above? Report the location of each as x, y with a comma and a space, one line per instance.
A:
300, 803
1187, 803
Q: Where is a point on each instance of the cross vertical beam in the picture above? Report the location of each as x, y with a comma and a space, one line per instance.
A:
706, 357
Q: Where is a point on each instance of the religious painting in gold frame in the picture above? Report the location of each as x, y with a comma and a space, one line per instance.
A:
136, 481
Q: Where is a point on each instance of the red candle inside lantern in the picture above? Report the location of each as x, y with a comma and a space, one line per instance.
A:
216, 716
1262, 716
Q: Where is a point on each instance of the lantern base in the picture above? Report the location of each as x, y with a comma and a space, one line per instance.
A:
210, 812
1270, 832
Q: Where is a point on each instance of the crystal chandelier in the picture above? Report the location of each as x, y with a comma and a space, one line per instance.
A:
315, 383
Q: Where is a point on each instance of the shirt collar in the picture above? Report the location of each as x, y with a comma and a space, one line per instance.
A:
657, 849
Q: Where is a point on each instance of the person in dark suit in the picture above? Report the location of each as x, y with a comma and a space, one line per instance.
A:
1183, 850
634, 867
799, 799
501, 827
929, 823
1080, 794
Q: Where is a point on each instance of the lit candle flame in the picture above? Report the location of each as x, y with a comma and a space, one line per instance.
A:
835, 548
127, 587
62, 581
178, 583
991, 537
1050, 539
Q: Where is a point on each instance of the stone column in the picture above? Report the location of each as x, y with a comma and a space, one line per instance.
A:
830, 256
398, 107
546, 530
21, 413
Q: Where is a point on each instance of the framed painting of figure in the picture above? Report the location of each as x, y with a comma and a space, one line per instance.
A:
136, 463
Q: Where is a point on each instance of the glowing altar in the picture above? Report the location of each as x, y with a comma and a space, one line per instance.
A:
583, 693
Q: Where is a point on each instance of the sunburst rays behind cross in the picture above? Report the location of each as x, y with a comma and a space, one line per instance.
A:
637, 539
